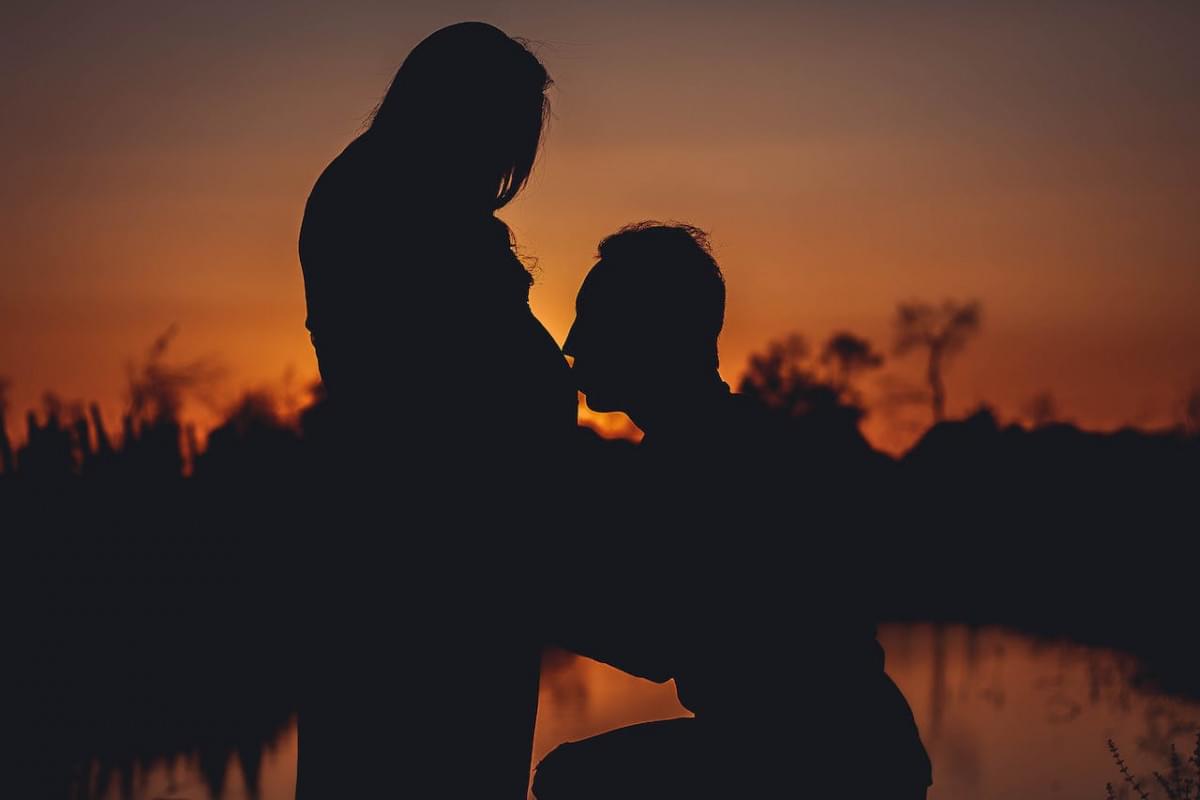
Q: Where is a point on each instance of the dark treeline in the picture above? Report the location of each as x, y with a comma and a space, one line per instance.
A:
151, 581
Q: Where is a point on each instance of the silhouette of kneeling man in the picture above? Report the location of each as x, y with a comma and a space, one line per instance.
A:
758, 611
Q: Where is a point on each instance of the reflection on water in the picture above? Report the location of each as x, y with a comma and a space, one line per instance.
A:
1002, 715
1006, 716
271, 775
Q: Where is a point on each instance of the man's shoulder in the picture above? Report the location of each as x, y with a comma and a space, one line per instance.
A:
747, 424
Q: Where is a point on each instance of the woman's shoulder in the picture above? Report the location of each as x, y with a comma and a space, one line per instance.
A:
344, 177
351, 212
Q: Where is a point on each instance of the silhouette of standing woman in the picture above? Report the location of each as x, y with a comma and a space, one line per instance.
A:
449, 399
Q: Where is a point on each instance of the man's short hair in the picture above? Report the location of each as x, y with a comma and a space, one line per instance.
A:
676, 276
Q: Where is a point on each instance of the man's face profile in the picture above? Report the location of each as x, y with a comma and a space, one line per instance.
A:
609, 341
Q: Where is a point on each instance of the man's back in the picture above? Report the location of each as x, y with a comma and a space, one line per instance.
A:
746, 586
746, 498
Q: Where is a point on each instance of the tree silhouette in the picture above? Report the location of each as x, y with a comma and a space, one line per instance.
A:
1042, 409
1191, 411
7, 463
782, 379
847, 355
943, 331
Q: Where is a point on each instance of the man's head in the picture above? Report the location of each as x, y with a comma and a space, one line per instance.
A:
647, 317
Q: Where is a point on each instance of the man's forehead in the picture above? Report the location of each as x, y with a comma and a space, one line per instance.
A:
617, 293
601, 285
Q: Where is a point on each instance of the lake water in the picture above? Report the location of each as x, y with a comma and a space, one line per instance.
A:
1003, 715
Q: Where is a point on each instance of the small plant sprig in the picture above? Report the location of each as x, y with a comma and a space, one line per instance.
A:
1125, 773
1182, 781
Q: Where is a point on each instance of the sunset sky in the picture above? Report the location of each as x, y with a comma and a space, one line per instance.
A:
1040, 157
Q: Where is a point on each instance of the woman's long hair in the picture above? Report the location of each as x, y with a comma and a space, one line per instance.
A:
464, 115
